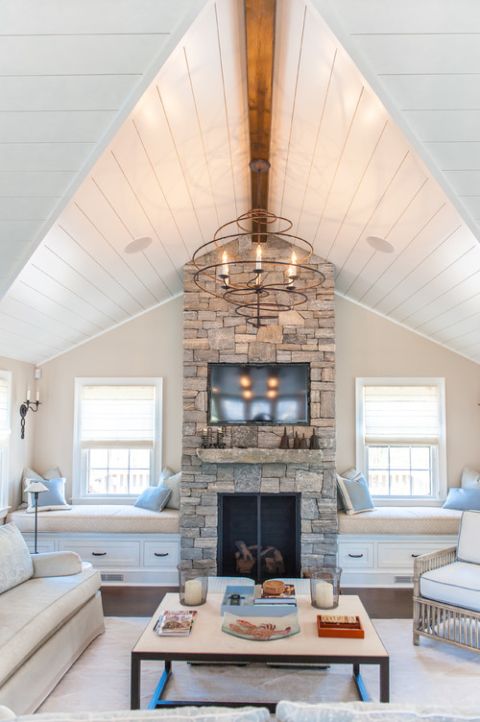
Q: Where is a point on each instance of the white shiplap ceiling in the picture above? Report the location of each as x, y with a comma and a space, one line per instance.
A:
342, 170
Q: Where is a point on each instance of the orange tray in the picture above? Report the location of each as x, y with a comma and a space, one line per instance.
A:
353, 631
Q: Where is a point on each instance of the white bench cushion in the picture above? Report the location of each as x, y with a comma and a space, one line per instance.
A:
97, 518
457, 584
34, 610
401, 520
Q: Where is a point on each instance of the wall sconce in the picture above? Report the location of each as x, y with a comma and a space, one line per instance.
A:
25, 408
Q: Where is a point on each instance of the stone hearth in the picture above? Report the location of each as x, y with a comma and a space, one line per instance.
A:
213, 332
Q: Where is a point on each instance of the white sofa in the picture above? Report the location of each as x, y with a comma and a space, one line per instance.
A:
285, 712
50, 611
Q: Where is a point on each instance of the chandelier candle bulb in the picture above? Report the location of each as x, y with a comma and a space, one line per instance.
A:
225, 270
37, 396
258, 264
28, 393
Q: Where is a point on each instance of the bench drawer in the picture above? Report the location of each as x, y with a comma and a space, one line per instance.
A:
105, 553
160, 554
394, 555
353, 555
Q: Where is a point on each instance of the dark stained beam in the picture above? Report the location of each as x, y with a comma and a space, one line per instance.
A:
260, 38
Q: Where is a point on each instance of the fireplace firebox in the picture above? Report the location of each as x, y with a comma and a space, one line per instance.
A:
259, 535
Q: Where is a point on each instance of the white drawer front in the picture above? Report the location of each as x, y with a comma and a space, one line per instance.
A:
395, 555
105, 554
160, 554
353, 555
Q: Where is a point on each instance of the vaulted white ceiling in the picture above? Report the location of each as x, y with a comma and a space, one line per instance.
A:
343, 169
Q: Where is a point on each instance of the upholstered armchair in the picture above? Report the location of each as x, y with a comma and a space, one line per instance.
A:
446, 592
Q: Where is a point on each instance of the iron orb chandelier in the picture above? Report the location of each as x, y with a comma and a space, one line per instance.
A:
266, 272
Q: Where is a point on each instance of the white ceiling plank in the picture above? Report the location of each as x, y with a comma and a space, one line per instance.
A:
64, 92
78, 54
49, 325
17, 231
435, 92
34, 183
53, 126
472, 203
386, 271
29, 17
34, 157
28, 330
81, 228
456, 156
465, 182
445, 125
27, 208
450, 305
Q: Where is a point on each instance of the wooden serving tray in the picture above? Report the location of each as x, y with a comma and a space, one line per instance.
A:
354, 630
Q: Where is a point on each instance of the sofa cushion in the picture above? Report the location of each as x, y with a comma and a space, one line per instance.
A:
401, 520
457, 584
179, 714
468, 547
34, 610
371, 712
15, 560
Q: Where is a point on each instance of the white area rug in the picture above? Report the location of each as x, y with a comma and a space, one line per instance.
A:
433, 673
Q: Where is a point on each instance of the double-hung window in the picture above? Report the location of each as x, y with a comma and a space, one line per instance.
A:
117, 437
5, 429
401, 438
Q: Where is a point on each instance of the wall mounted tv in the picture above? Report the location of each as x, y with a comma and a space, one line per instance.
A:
259, 393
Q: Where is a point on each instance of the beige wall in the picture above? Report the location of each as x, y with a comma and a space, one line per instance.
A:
20, 449
369, 345
150, 345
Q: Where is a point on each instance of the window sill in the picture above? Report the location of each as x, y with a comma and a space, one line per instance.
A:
99, 500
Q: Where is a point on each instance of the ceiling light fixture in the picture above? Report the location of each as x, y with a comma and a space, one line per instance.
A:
265, 269
138, 244
380, 244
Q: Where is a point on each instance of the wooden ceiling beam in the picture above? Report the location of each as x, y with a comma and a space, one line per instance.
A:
260, 40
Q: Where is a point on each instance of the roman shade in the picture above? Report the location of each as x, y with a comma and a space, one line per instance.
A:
402, 414
117, 416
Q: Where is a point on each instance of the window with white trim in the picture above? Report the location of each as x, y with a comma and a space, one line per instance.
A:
117, 436
401, 437
5, 432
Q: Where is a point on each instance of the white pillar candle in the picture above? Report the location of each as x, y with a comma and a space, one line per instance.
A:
324, 594
193, 592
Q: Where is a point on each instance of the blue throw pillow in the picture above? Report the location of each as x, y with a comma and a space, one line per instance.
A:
154, 498
51, 500
463, 499
354, 492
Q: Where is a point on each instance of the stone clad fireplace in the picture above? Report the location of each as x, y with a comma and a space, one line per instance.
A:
255, 465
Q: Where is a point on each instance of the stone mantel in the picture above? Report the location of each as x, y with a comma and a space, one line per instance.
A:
261, 456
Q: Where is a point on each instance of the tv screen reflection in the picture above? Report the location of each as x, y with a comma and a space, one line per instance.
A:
259, 393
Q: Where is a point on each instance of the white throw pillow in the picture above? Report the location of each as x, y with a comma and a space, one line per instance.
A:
15, 560
32, 475
371, 712
165, 473
173, 483
470, 478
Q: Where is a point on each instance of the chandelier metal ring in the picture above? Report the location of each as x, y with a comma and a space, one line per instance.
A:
272, 281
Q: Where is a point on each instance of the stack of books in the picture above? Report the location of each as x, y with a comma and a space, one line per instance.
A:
175, 623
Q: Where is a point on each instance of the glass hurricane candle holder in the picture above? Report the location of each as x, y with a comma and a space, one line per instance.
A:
325, 587
192, 588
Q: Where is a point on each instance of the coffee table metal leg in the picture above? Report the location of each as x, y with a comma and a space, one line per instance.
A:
360, 684
385, 680
135, 671
156, 700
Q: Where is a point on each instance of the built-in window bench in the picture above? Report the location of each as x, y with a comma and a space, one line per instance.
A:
377, 548
127, 544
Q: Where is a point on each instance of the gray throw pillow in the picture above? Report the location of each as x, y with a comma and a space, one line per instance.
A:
154, 498
173, 483
463, 499
354, 491
51, 500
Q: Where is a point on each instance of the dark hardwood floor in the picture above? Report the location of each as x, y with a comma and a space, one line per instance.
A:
380, 603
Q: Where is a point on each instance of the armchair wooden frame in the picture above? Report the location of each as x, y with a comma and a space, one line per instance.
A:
455, 625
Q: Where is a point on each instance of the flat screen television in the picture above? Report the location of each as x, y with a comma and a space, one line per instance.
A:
259, 393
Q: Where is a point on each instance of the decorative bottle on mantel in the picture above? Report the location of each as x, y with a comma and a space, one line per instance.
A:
284, 441
296, 441
303, 444
314, 440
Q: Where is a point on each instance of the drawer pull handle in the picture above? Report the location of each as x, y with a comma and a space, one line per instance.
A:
355, 556
99, 554
415, 555
159, 554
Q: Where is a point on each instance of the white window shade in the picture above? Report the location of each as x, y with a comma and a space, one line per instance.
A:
4, 409
402, 414
117, 416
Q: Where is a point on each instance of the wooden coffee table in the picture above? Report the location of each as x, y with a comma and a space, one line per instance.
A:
207, 643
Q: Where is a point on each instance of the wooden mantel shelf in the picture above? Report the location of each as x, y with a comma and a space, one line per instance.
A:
260, 456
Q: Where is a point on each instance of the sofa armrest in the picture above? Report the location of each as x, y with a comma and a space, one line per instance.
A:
56, 564
427, 562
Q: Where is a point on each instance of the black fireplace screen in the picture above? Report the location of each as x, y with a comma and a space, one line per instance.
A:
259, 535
